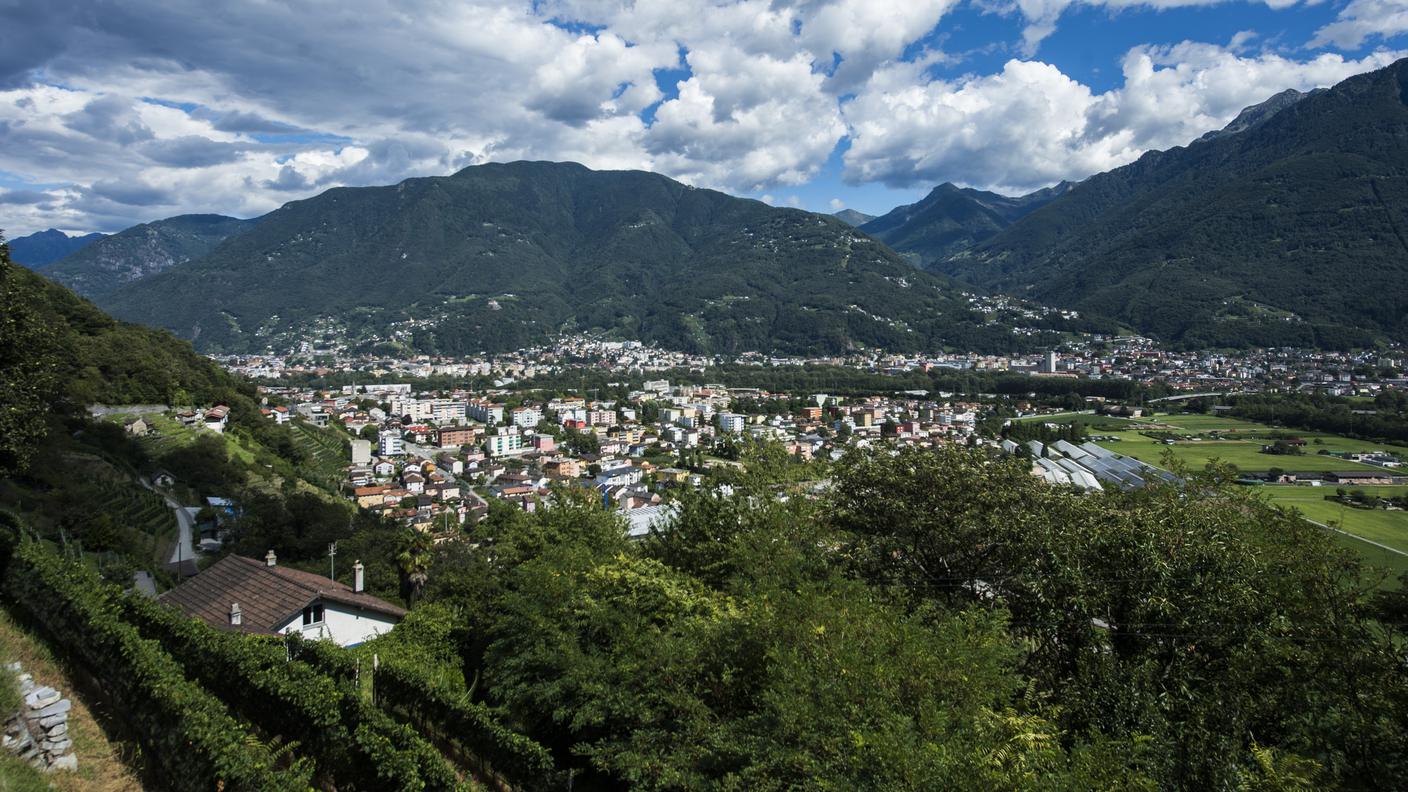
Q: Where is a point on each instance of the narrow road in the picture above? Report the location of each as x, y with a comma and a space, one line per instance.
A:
183, 555
1394, 550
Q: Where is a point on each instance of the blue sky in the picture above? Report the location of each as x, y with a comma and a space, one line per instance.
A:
115, 114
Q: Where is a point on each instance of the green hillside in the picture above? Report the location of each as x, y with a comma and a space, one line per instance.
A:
501, 255
1290, 231
98, 268
59, 353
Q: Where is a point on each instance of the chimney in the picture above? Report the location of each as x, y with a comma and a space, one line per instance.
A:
270, 559
358, 584
236, 616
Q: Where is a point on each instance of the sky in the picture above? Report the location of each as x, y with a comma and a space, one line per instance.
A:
117, 112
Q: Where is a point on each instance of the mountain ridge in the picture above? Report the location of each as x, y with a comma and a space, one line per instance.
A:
500, 255
142, 250
951, 219
1264, 237
42, 248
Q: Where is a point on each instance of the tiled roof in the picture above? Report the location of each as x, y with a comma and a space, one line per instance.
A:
268, 596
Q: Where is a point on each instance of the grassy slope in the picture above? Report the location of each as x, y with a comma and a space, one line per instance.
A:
100, 760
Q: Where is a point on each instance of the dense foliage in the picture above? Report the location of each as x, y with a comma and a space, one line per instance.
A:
940, 620
1386, 419
500, 255
1220, 242
190, 739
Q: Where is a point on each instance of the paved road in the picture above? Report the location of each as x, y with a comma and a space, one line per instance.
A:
1393, 550
183, 555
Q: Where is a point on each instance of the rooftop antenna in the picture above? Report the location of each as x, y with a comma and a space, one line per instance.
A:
332, 559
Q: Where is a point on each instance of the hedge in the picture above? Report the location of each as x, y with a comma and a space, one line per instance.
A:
355, 746
190, 738
471, 727
329, 658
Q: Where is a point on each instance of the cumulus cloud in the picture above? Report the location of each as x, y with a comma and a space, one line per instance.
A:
1362, 20
836, 204
388, 89
1031, 125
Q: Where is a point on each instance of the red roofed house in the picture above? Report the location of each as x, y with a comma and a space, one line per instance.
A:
238, 593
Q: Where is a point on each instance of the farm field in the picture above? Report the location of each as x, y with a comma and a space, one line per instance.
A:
1202, 438
1383, 526
325, 455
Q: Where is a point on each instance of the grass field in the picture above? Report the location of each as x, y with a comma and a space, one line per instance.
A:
1202, 438
1385, 527
100, 760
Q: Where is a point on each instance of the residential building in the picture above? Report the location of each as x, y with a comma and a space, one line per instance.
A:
506, 442
732, 423
527, 417
389, 444
361, 451
239, 594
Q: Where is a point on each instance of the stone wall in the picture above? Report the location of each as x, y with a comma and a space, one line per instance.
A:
39, 731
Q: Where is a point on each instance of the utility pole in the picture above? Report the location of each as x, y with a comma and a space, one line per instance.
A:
332, 559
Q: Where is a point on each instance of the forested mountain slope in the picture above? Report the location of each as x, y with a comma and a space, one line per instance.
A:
1292, 229
142, 250
500, 255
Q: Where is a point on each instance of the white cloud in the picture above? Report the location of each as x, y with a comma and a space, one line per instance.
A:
1030, 125
836, 204
1362, 20
371, 91
115, 113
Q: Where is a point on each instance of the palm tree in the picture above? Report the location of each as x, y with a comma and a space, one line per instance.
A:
413, 561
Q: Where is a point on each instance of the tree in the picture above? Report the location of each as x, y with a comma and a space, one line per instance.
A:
30, 352
413, 558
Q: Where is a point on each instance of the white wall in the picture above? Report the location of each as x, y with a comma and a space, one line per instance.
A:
346, 626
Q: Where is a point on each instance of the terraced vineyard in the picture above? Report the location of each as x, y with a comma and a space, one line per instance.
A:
324, 455
142, 514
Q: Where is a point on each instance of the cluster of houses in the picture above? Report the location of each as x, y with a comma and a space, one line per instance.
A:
433, 460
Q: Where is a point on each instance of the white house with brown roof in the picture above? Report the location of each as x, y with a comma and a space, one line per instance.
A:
238, 593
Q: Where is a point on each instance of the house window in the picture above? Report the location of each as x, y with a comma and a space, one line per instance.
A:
313, 614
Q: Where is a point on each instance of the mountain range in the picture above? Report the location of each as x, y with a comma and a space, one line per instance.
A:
142, 250
1266, 232
497, 256
952, 219
1289, 229
42, 248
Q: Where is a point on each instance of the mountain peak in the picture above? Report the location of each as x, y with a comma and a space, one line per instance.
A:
852, 217
42, 248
